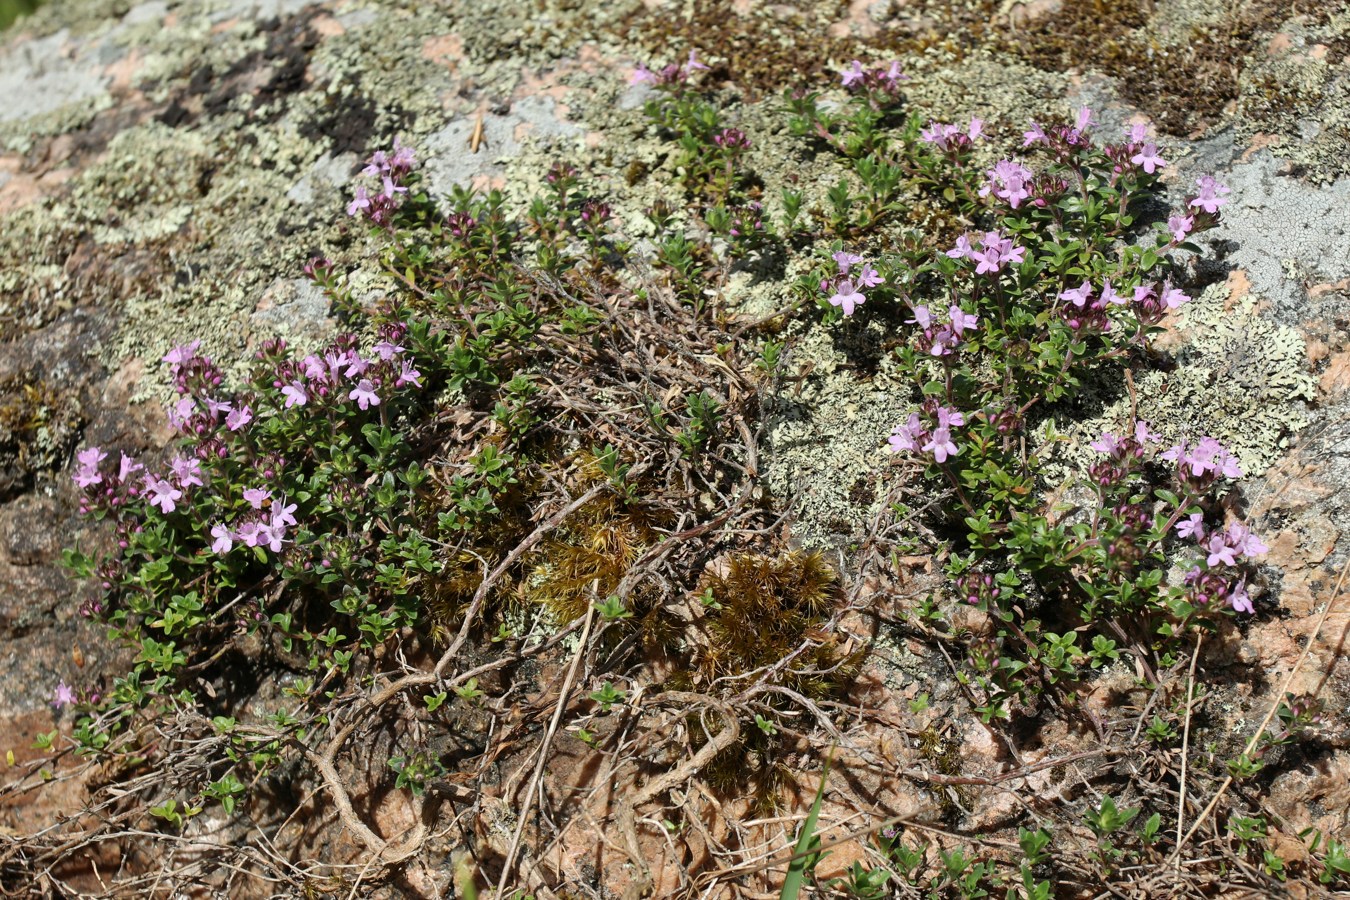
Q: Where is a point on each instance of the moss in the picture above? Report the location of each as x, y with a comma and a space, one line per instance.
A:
39, 425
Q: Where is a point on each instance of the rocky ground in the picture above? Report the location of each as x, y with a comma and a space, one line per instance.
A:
167, 167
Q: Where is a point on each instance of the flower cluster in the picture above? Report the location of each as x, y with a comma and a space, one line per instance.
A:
673, 74
1082, 310
1063, 141
994, 252
846, 290
1122, 454
1201, 464
915, 435
876, 80
392, 169
941, 339
950, 139
1009, 181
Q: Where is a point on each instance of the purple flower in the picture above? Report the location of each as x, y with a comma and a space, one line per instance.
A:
845, 260
215, 407
1219, 552
642, 75
224, 540
939, 134
847, 296
962, 250
181, 354
1239, 599
251, 533
1109, 294
941, 445
295, 394
1033, 135
63, 696
1137, 133
693, 65
893, 74
377, 165
1079, 295
238, 418
1085, 119
315, 368
408, 375
1211, 194
360, 203
1008, 181
1241, 539
404, 158
364, 394
283, 513
88, 472
1142, 434
1107, 444
853, 74
1193, 526
868, 277
948, 417
356, 366
272, 536
162, 494
1172, 298
907, 435
256, 497
387, 350
1180, 226
187, 470
922, 317
391, 190
976, 128
1148, 158
128, 468
961, 320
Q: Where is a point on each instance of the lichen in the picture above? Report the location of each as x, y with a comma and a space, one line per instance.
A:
1240, 377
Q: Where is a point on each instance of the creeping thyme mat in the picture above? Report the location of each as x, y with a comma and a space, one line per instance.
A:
494, 580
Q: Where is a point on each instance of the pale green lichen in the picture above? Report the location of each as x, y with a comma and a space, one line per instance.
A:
1240, 378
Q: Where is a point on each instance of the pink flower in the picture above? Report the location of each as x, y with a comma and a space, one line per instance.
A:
847, 296
215, 407
387, 350
693, 65
224, 540
356, 366
941, 445
377, 165
256, 497
961, 320
853, 74
391, 190
187, 470
63, 696
1079, 295
179, 413
408, 375
283, 513
360, 203
642, 75
1180, 226
181, 354
1137, 133
1220, 552
1033, 135
1193, 526
922, 317
364, 394
869, 277
976, 128
162, 494
1109, 294
1107, 444
1008, 181
1148, 158
272, 535
948, 417
128, 468
1239, 599
907, 435
1211, 194
962, 250
295, 394
1173, 298
251, 533
1085, 119
238, 418
845, 260
315, 369
88, 472
1142, 434
1241, 539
